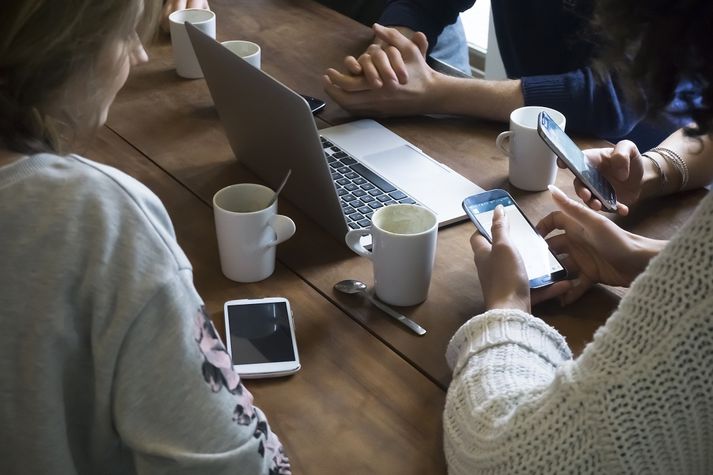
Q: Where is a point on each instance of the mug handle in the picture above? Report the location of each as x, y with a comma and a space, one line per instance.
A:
284, 229
353, 240
503, 141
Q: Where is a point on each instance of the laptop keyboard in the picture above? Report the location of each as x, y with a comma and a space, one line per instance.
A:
361, 191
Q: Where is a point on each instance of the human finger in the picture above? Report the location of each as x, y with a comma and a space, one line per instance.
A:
499, 227
578, 287
352, 66
381, 61
571, 207
347, 82
481, 247
582, 191
551, 291
618, 165
392, 36
336, 93
397, 63
573, 269
556, 220
369, 71
622, 209
421, 42
559, 243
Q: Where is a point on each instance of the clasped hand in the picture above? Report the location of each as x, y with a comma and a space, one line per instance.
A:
390, 78
591, 247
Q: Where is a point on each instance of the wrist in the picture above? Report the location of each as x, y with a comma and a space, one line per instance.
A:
439, 91
511, 302
644, 249
653, 179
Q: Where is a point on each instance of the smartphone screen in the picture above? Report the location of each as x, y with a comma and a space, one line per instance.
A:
568, 151
260, 333
541, 265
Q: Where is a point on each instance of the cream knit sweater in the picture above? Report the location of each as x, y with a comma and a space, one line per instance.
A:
638, 400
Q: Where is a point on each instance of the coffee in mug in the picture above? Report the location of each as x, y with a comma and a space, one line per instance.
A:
403, 252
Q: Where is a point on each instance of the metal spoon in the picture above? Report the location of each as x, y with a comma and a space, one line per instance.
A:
358, 287
279, 188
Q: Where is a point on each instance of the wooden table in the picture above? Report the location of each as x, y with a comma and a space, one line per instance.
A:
370, 395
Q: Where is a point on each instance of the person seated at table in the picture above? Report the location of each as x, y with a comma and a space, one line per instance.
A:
108, 359
449, 45
637, 400
546, 54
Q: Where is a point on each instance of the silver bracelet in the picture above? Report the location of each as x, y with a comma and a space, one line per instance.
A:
676, 160
657, 166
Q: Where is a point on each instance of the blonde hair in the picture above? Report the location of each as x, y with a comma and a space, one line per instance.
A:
47, 47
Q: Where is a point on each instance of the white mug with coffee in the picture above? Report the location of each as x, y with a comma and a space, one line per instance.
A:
248, 229
532, 165
403, 252
183, 55
247, 50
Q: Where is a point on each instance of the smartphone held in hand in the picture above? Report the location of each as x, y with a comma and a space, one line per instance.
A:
542, 267
567, 151
260, 336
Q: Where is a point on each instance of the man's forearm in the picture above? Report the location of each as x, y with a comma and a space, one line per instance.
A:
493, 100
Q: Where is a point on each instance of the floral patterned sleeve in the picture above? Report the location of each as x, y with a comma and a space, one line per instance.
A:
179, 406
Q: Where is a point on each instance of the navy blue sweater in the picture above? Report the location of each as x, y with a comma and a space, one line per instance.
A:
546, 44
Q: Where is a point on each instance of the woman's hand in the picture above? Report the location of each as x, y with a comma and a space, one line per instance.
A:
171, 6
623, 166
592, 248
500, 268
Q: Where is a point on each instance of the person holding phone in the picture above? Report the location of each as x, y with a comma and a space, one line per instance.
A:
546, 48
637, 176
638, 398
109, 361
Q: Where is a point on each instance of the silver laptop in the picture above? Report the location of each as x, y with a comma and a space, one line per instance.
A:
338, 179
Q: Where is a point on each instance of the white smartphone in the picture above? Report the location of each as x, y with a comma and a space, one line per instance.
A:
261, 337
541, 265
567, 151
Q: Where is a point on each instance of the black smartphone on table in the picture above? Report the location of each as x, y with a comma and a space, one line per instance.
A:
572, 156
315, 105
542, 266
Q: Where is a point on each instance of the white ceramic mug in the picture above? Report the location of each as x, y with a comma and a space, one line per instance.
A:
183, 55
403, 251
247, 50
532, 165
248, 231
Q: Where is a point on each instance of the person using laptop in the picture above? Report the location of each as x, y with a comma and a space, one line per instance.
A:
546, 50
109, 361
637, 400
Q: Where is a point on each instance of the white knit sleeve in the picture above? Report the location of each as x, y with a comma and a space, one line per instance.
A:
636, 401
502, 361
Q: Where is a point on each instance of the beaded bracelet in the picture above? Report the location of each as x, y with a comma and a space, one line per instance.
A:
676, 161
659, 170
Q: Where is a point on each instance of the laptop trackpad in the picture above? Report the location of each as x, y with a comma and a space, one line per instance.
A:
423, 178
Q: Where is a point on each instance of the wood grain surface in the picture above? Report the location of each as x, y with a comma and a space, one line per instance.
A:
355, 406
172, 121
